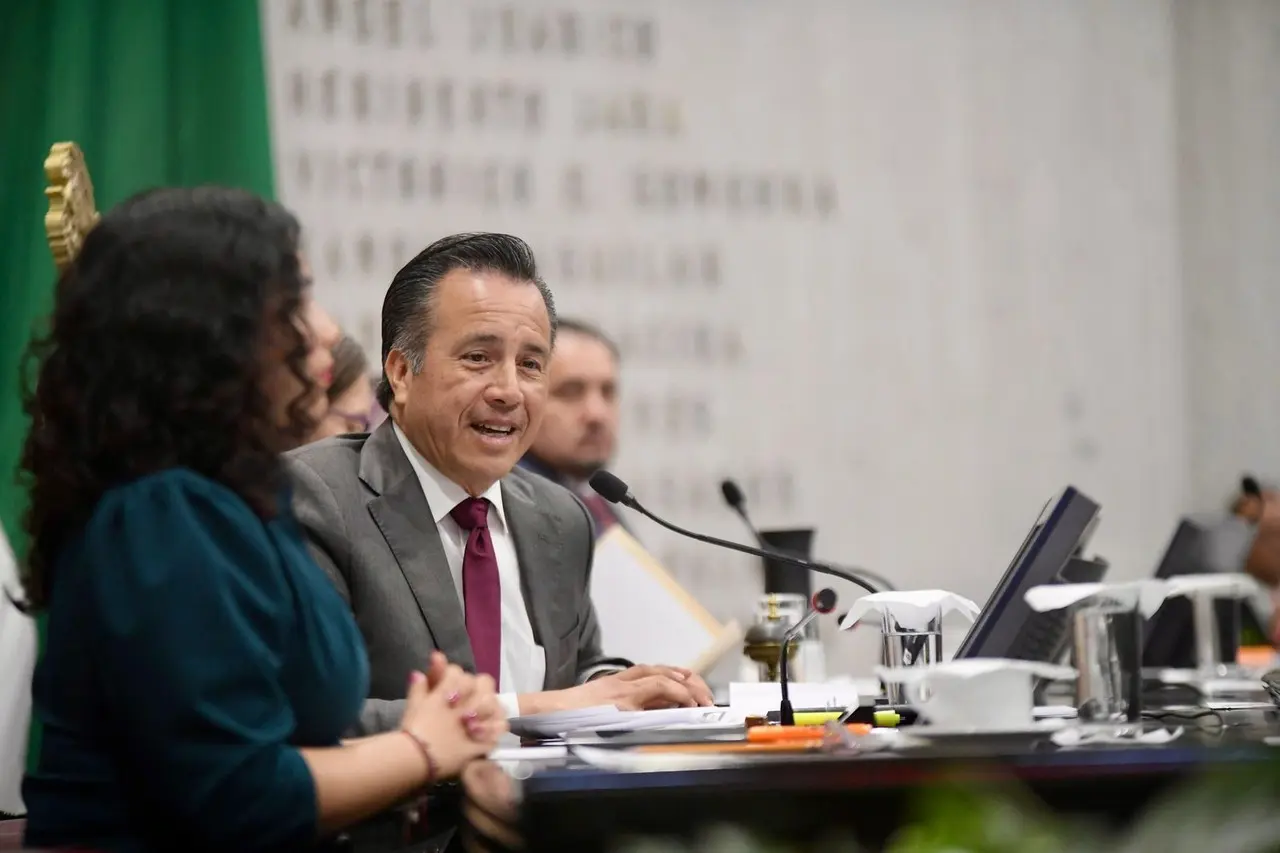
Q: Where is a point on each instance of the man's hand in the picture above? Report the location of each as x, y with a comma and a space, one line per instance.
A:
640, 688
696, 689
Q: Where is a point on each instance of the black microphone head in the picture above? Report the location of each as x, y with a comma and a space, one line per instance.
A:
732, 494
609, 487
824, 600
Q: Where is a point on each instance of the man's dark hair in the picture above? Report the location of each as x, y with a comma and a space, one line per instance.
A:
407, 308
565, 325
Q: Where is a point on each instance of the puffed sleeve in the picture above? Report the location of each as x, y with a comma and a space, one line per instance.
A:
196, 613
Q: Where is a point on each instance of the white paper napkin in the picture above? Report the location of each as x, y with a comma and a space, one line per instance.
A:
976, 667
912, 609
1088, 736
1227, 585
1146, 595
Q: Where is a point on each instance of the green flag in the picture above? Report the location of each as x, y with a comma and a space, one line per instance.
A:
155, 92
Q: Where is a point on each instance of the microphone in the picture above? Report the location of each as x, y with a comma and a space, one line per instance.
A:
737, 502
615, 491
823, 601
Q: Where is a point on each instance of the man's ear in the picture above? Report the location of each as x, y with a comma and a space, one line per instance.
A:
399, 372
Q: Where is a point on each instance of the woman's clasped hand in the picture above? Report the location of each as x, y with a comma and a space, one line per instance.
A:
455, 717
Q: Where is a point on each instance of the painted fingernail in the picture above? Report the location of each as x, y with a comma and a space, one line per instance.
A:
470, 717
415, 677
453, 698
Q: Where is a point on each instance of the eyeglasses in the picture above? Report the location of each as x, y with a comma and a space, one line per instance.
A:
355, 422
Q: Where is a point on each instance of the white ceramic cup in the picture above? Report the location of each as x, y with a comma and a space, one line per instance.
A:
991, 700
975, 694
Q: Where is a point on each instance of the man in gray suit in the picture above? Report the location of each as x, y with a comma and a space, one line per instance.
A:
426, 527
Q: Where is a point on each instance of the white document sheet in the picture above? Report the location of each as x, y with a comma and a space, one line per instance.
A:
606, 718
758, 699
647, 617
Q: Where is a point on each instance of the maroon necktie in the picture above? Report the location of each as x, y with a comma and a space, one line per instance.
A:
600, 511
481, 588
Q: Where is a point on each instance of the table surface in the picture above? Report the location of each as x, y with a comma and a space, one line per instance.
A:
567, 801
1023, 754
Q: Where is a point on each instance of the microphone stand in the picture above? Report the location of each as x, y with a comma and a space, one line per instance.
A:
741, 512
629, 500
787, 714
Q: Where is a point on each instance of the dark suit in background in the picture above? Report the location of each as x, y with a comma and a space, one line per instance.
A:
603, 514
370, 527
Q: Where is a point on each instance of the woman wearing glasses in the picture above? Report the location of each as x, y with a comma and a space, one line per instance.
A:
350, 393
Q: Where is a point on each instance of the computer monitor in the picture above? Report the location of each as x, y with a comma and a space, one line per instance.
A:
1169, 639
1007, 627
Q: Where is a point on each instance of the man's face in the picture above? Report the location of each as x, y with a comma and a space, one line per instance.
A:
478, 401
580, 430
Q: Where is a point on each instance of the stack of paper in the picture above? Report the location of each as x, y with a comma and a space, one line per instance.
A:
632, 593
749, 698
607, 718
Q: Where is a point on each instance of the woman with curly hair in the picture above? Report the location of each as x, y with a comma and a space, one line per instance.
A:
200, 669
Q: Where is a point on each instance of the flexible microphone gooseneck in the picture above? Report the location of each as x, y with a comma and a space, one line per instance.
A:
615, 491
823, 601
737, 501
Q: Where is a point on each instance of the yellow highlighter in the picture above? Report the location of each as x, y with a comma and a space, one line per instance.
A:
816, 718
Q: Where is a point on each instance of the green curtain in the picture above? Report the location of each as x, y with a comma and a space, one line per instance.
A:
156, 92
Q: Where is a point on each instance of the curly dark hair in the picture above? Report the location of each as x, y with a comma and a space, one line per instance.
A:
157, 357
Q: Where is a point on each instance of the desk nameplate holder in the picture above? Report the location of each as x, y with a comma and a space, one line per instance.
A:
903, 648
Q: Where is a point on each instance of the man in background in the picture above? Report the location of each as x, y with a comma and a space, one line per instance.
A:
1259, 507
579, 431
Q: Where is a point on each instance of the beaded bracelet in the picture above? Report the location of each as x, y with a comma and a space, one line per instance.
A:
433, 770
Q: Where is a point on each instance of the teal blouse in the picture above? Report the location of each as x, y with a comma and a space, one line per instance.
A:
191, 648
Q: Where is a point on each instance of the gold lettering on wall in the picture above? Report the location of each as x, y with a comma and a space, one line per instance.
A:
411, 119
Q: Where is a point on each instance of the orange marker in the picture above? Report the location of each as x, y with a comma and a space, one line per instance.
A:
775, 734
733, 748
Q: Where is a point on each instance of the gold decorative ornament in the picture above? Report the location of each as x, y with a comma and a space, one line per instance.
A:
72, 212
763, 642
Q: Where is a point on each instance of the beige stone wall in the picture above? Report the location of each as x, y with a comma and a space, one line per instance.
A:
904, 268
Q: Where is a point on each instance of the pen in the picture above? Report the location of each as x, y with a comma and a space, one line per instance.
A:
881, 716
884, 716
826, 713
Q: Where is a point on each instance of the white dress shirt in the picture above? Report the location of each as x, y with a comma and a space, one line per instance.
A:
524, 663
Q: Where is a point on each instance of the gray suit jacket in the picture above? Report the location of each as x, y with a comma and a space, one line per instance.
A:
371, 530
